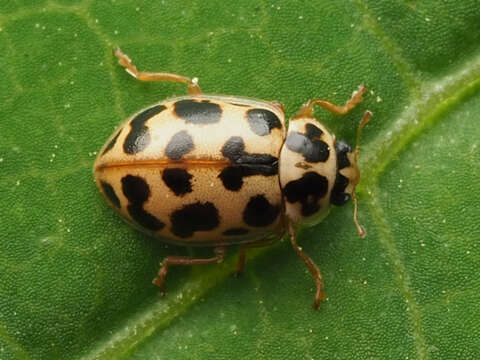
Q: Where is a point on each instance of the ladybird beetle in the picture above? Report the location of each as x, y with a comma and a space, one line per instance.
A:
211, 170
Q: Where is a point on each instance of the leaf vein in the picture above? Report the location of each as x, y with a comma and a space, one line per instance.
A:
405, 69
20, 353
438, 98
403, 279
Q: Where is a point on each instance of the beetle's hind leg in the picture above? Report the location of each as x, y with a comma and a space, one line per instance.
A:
243, 249
186, 261
124, 60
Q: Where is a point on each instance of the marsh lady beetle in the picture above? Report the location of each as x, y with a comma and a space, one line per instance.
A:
211, 170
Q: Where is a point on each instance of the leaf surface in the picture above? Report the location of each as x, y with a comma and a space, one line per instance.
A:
76, 280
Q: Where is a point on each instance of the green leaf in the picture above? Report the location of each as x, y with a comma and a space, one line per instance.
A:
76, 280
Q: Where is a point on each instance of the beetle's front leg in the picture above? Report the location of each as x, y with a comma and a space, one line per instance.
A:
185, 261
357, 97
314, 270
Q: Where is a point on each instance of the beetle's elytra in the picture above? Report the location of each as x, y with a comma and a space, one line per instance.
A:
215, 171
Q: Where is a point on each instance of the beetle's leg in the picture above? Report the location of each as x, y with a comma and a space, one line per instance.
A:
307, 109
186, 260
124, 60
245, 247
319, 294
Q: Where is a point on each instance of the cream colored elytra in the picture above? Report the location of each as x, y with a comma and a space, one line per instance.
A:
215, 170
204, 163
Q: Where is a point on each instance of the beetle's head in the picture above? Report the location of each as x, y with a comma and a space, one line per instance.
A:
347, 175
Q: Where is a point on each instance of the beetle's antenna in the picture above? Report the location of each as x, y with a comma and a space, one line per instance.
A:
366, 118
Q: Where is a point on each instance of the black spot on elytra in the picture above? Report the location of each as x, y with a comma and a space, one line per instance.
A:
232, 177
136, 190
342, 149
178, 180
309, 144
234, 148
308, 190
244, 164
139, 137
198, 111
194, 217
110, 193
262, 121
111, 144
339, 196
259, 212
236, 232
179, 145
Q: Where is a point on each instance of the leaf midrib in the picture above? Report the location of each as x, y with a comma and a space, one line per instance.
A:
438, 98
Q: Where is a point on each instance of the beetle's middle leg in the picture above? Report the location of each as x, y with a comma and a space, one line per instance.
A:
245, 247
186, 261
124, 60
